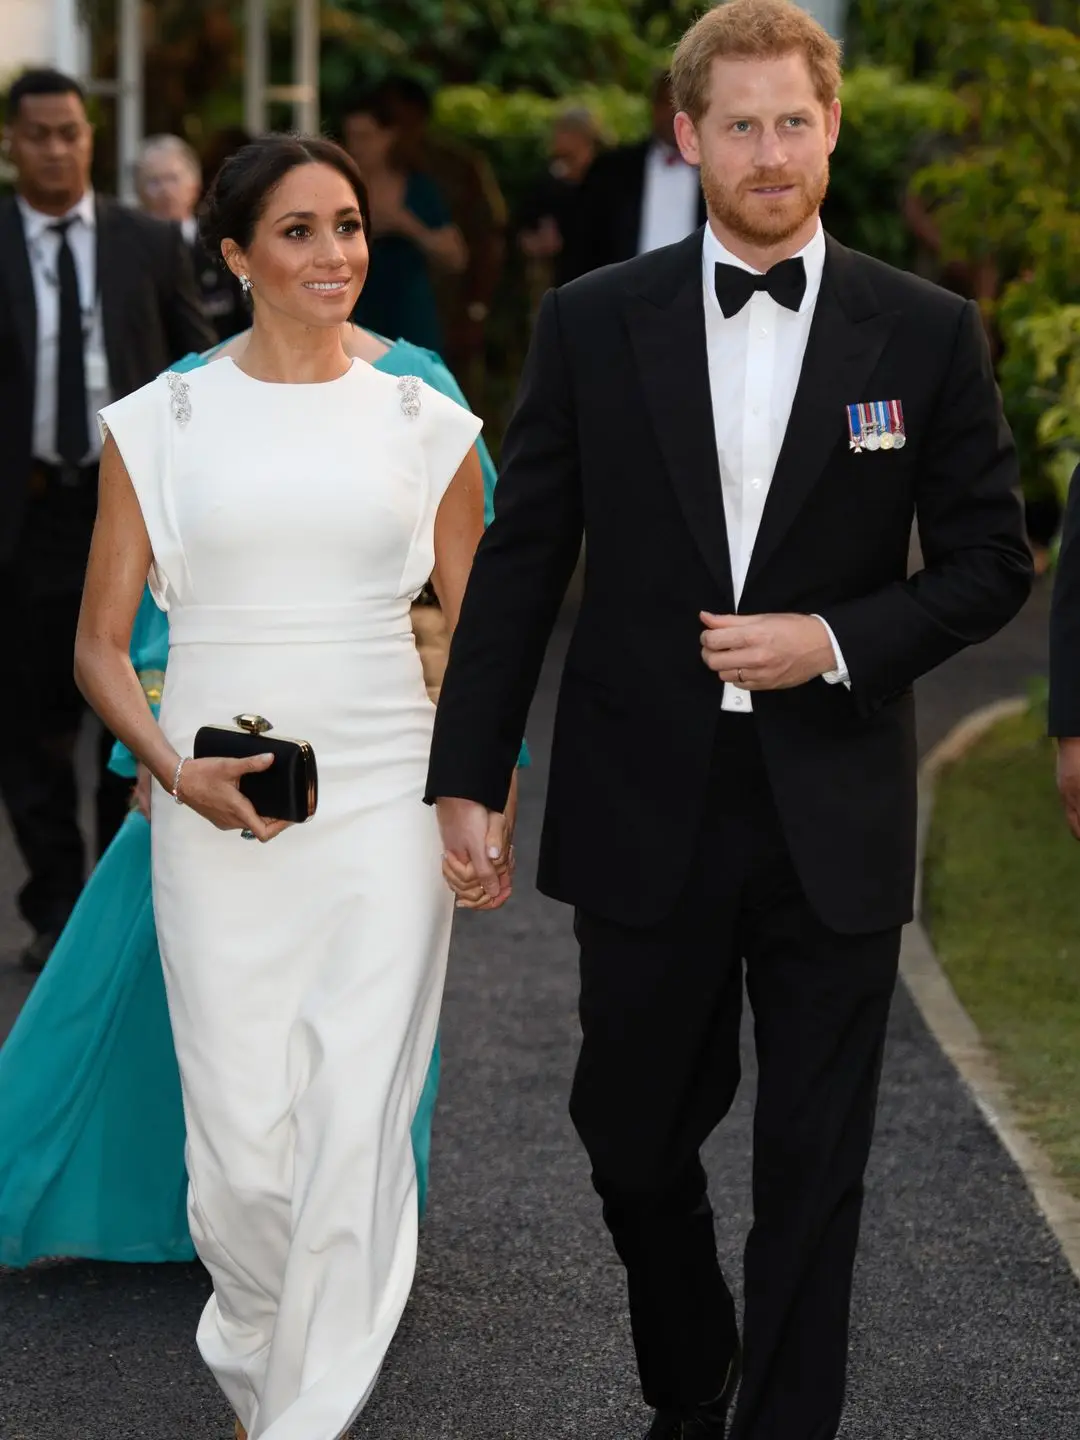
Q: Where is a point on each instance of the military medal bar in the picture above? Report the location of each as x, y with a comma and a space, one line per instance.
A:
876, 425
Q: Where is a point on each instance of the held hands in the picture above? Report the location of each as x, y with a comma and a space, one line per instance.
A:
478, 858
211, 788
1068, 781
766, 652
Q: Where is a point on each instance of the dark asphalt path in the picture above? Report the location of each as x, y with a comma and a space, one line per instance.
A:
967, 1320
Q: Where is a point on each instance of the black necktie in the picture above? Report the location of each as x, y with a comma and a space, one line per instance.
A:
72, 428
785, 282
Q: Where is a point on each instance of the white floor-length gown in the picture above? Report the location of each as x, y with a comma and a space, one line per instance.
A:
291, 525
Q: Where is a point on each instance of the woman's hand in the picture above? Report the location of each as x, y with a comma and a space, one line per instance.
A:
211, 788
461, 875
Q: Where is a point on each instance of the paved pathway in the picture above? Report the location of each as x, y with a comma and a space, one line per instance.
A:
967, 1323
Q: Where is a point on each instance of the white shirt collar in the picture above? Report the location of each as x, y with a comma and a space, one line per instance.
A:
813, 257
37, 224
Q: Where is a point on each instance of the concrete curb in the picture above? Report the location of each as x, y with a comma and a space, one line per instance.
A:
953, 1028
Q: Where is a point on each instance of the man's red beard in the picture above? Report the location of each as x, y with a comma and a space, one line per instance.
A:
752, 218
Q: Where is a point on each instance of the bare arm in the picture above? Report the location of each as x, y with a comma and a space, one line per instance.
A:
120, 557
444, 246
116, 574
458, 528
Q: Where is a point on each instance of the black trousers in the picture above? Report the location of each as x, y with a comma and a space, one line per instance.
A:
659, 1068
42, 710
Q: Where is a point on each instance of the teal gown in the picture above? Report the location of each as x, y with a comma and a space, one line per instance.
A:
91, 1122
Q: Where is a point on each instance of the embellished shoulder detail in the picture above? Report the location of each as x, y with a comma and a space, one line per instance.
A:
409, 386
181, 396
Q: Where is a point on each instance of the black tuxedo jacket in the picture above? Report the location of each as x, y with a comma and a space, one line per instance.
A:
1065, 624
607, 215
613, 435
150, 315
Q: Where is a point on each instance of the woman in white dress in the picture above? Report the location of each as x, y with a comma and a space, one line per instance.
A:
287, 508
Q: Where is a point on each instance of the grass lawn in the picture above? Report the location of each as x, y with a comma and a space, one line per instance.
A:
1002, 902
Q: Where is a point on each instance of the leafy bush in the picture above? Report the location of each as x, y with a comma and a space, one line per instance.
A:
1041, 371
1013, 197
885, 117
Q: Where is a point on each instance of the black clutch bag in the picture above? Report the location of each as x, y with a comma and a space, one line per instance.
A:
289, 789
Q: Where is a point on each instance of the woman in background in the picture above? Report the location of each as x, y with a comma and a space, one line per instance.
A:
411, 229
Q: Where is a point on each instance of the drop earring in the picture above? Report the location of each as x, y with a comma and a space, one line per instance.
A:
245, 284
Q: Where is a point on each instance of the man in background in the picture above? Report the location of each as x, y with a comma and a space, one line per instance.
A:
477, 208
95, 300
636, 198
169, 179
546, 222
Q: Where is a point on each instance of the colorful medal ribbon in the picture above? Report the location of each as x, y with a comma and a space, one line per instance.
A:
855, 430
896, 418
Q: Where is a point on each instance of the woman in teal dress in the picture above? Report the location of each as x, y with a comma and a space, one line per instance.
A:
412, 231
91, 1122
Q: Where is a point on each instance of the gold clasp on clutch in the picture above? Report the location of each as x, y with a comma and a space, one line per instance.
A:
253, 724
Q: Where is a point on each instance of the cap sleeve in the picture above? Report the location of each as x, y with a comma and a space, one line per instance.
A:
138, 425
448, 433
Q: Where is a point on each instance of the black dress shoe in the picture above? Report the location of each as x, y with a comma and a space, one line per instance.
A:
701, 1422
35, 955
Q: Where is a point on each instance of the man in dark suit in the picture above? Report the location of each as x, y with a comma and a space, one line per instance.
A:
743, 426
94, 302
636, 198
1065, 659
169, 179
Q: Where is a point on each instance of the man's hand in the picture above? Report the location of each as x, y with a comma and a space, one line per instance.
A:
478, 858
1068, 781
766, 652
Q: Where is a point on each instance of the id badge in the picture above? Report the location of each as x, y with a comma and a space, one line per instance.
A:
97, 371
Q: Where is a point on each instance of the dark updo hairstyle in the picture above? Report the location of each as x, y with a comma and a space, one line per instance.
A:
242, 187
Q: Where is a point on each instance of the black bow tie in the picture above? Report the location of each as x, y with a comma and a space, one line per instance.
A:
785, 282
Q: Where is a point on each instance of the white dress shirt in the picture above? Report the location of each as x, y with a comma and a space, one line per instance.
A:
44, 249
670, 201
755, 359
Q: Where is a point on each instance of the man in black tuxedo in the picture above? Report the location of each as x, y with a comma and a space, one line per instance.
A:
733, 774
94, 302
1064, 705
636, 198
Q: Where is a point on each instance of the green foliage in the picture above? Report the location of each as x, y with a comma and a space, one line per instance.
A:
918, 37
551, 46
884, 118
1042, 367
1013, 194
1012, 197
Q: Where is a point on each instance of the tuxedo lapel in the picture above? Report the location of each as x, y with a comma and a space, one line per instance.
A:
666, 324
15, 268
110, 282
847, 336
